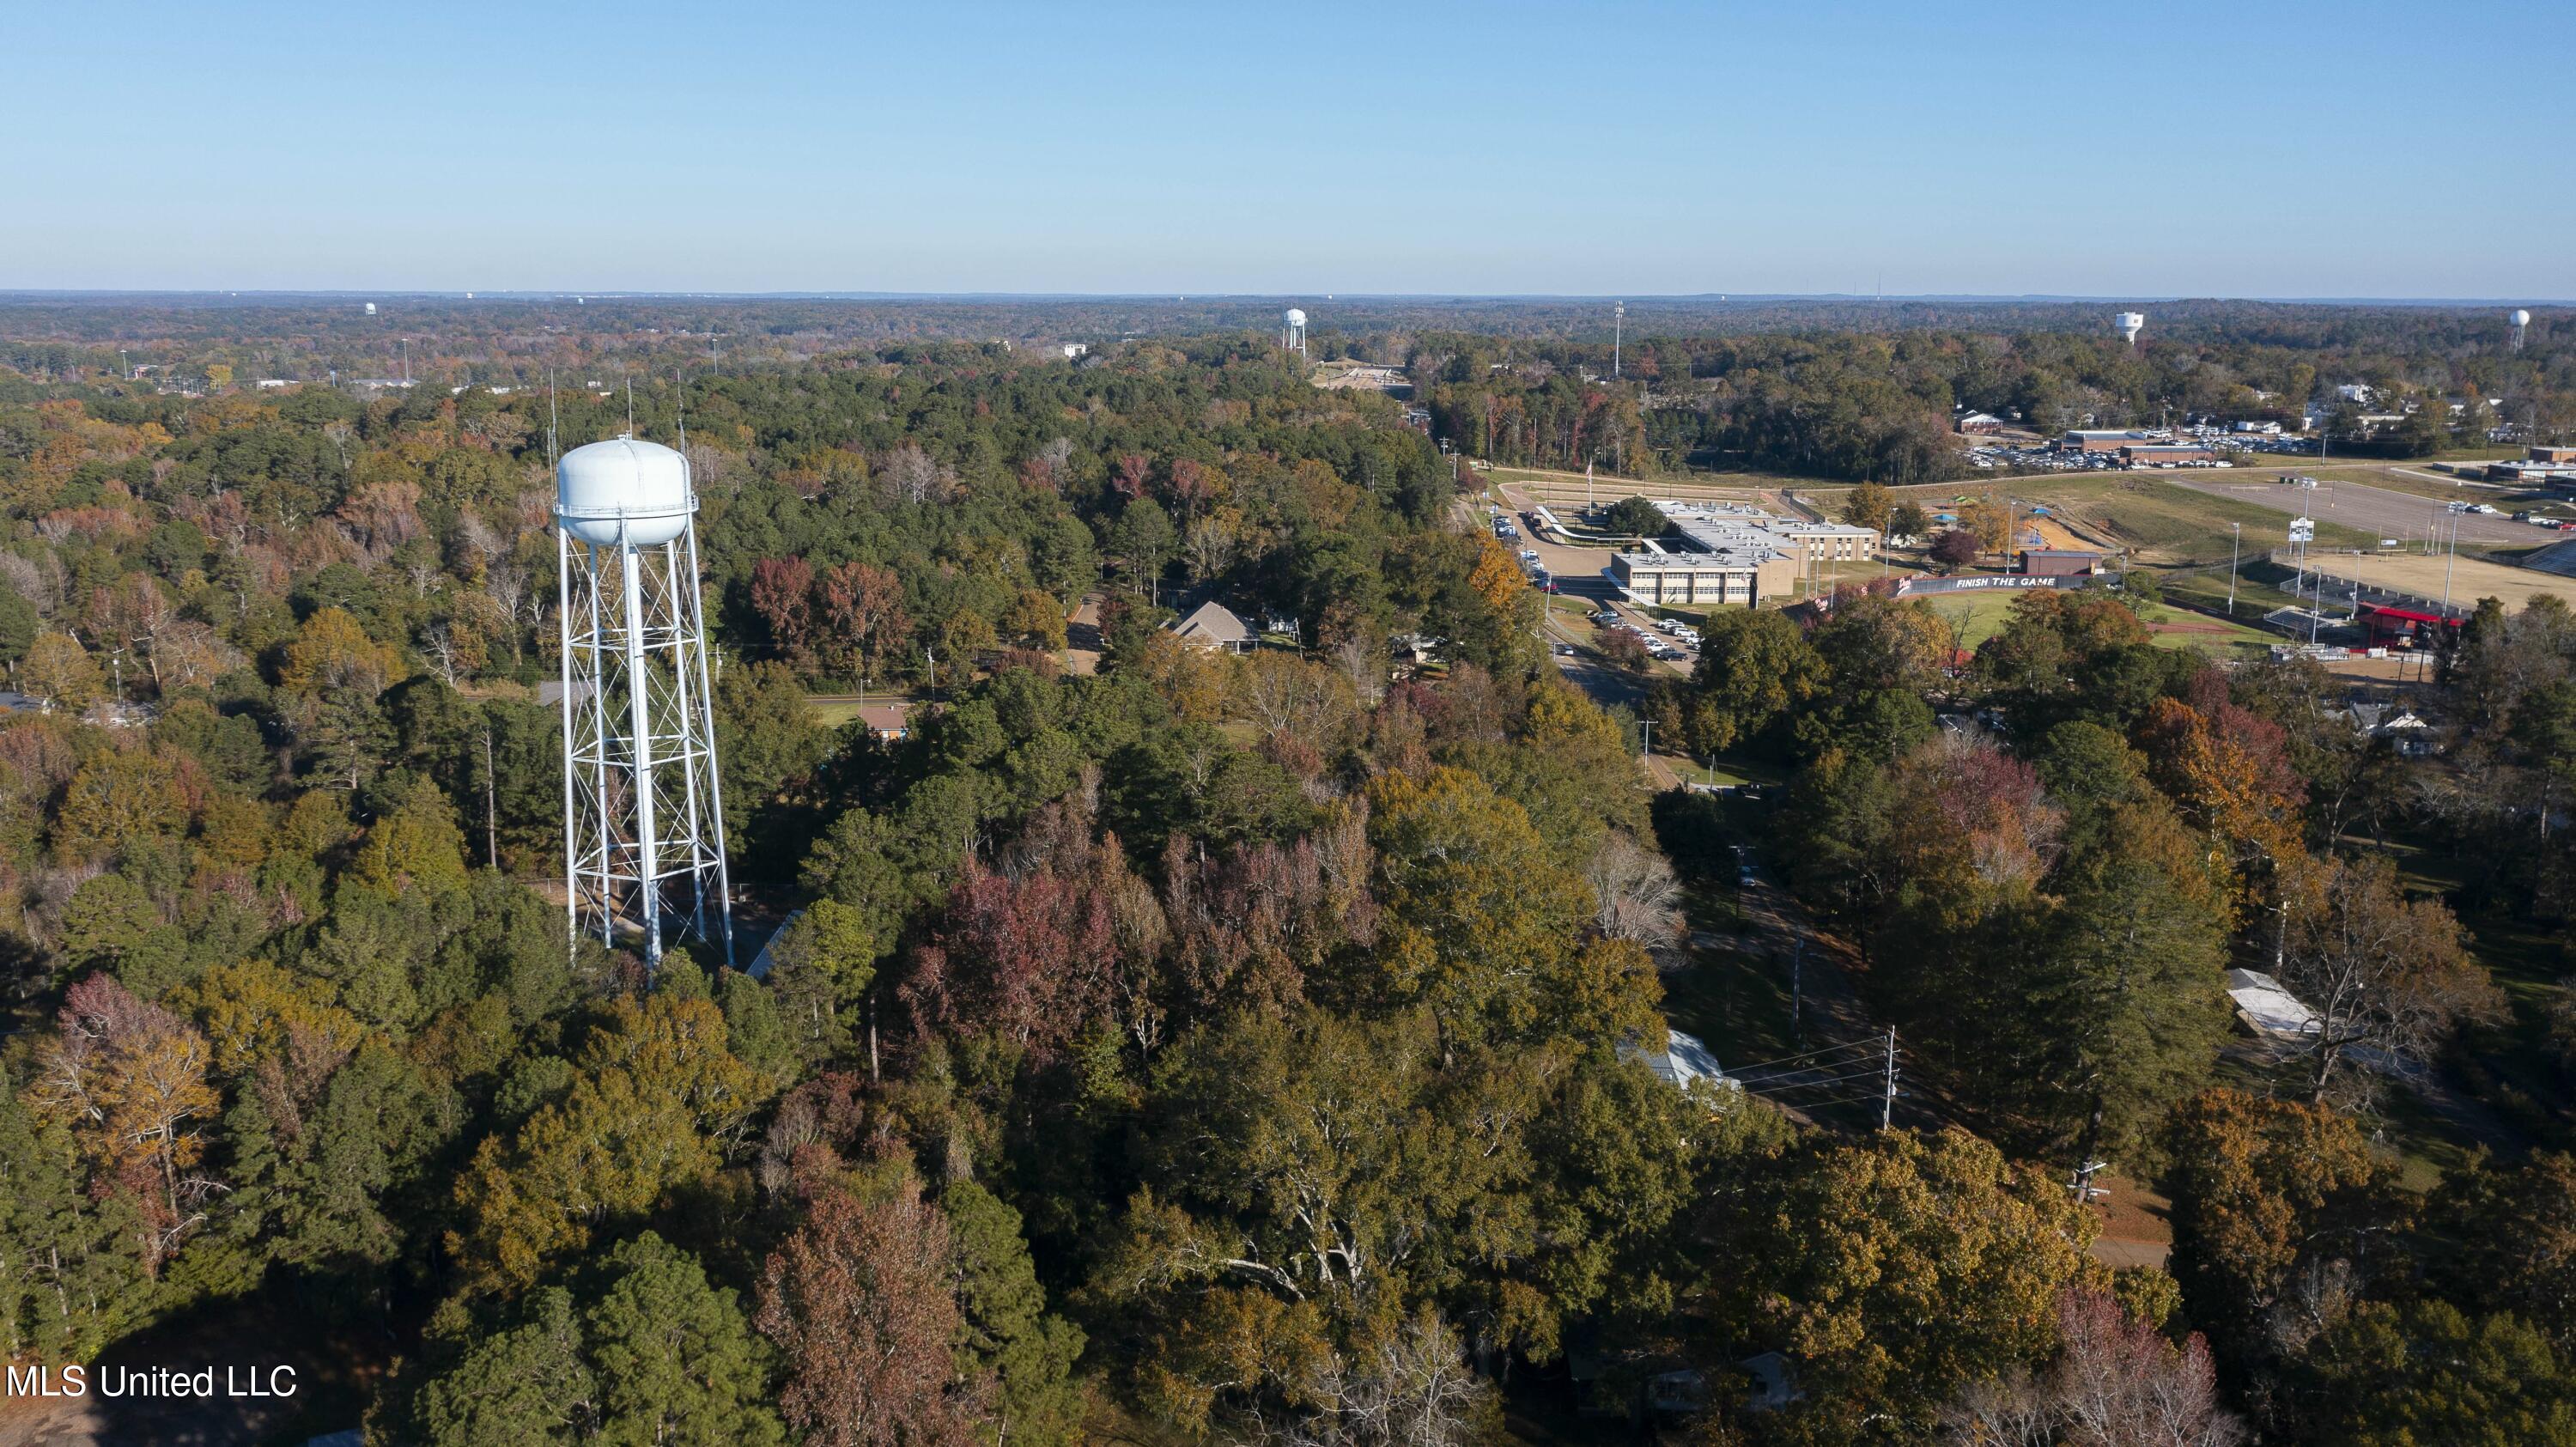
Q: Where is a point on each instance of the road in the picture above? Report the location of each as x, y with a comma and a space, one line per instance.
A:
2400, 515
1577, 572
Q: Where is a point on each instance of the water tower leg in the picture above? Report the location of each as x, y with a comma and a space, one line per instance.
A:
640, 714
694, 753
572, 835
704, 725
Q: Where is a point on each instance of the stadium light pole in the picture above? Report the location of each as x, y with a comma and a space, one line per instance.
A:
2236, 551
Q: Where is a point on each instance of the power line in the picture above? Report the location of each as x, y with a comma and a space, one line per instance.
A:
1871, 1060
1875, 1071
1809, 1054
1815, 1105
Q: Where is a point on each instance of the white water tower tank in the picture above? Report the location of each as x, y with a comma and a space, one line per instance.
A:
2519, 317
2130, 324
371, 308
625, 482
1296, 316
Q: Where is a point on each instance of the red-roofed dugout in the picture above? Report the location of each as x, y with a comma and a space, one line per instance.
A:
2402, 625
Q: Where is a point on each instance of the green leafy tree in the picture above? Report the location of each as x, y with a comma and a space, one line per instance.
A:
59, 673
1005, 1329
527, 1383
2396, 1376
1897, 1271
674, 1358
1636, 517
1754, 668
1477, 915
1868, 506
2263, 1191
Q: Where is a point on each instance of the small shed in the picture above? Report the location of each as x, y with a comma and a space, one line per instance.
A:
2058, 563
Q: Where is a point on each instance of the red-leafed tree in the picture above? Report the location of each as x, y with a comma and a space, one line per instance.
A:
782, 592
859, 1301
128, 1078
1027, 957
862, 616
1133, 471
1250, 928
1192, 488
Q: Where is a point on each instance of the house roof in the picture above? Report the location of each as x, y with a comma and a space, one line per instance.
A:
885, 718
1212, 623
2267, 1006
1683, 1059
768, 957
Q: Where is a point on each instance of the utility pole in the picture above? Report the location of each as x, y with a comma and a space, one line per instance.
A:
1618, 324
2237, 550
1797, 995
1648, 726
1887, 1103
491, 805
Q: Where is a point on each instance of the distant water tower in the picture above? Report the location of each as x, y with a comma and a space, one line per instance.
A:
643, 817
2515, 321
2130, 324
1292, 335
371, 308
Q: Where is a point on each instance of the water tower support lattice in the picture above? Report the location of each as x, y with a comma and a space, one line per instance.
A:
643, 808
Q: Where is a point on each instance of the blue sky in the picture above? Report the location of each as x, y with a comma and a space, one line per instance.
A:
2359, 149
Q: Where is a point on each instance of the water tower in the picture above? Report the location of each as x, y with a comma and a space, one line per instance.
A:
644, 845
1292, 335
2130, 324
2515, 321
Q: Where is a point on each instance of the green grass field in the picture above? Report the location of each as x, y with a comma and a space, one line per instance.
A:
1980, 616
832, 711
2161, 523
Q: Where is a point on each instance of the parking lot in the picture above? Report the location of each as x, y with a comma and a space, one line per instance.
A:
1577, 574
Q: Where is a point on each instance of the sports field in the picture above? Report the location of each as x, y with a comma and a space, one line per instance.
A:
1980, 616
2159, 522
2422, 577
